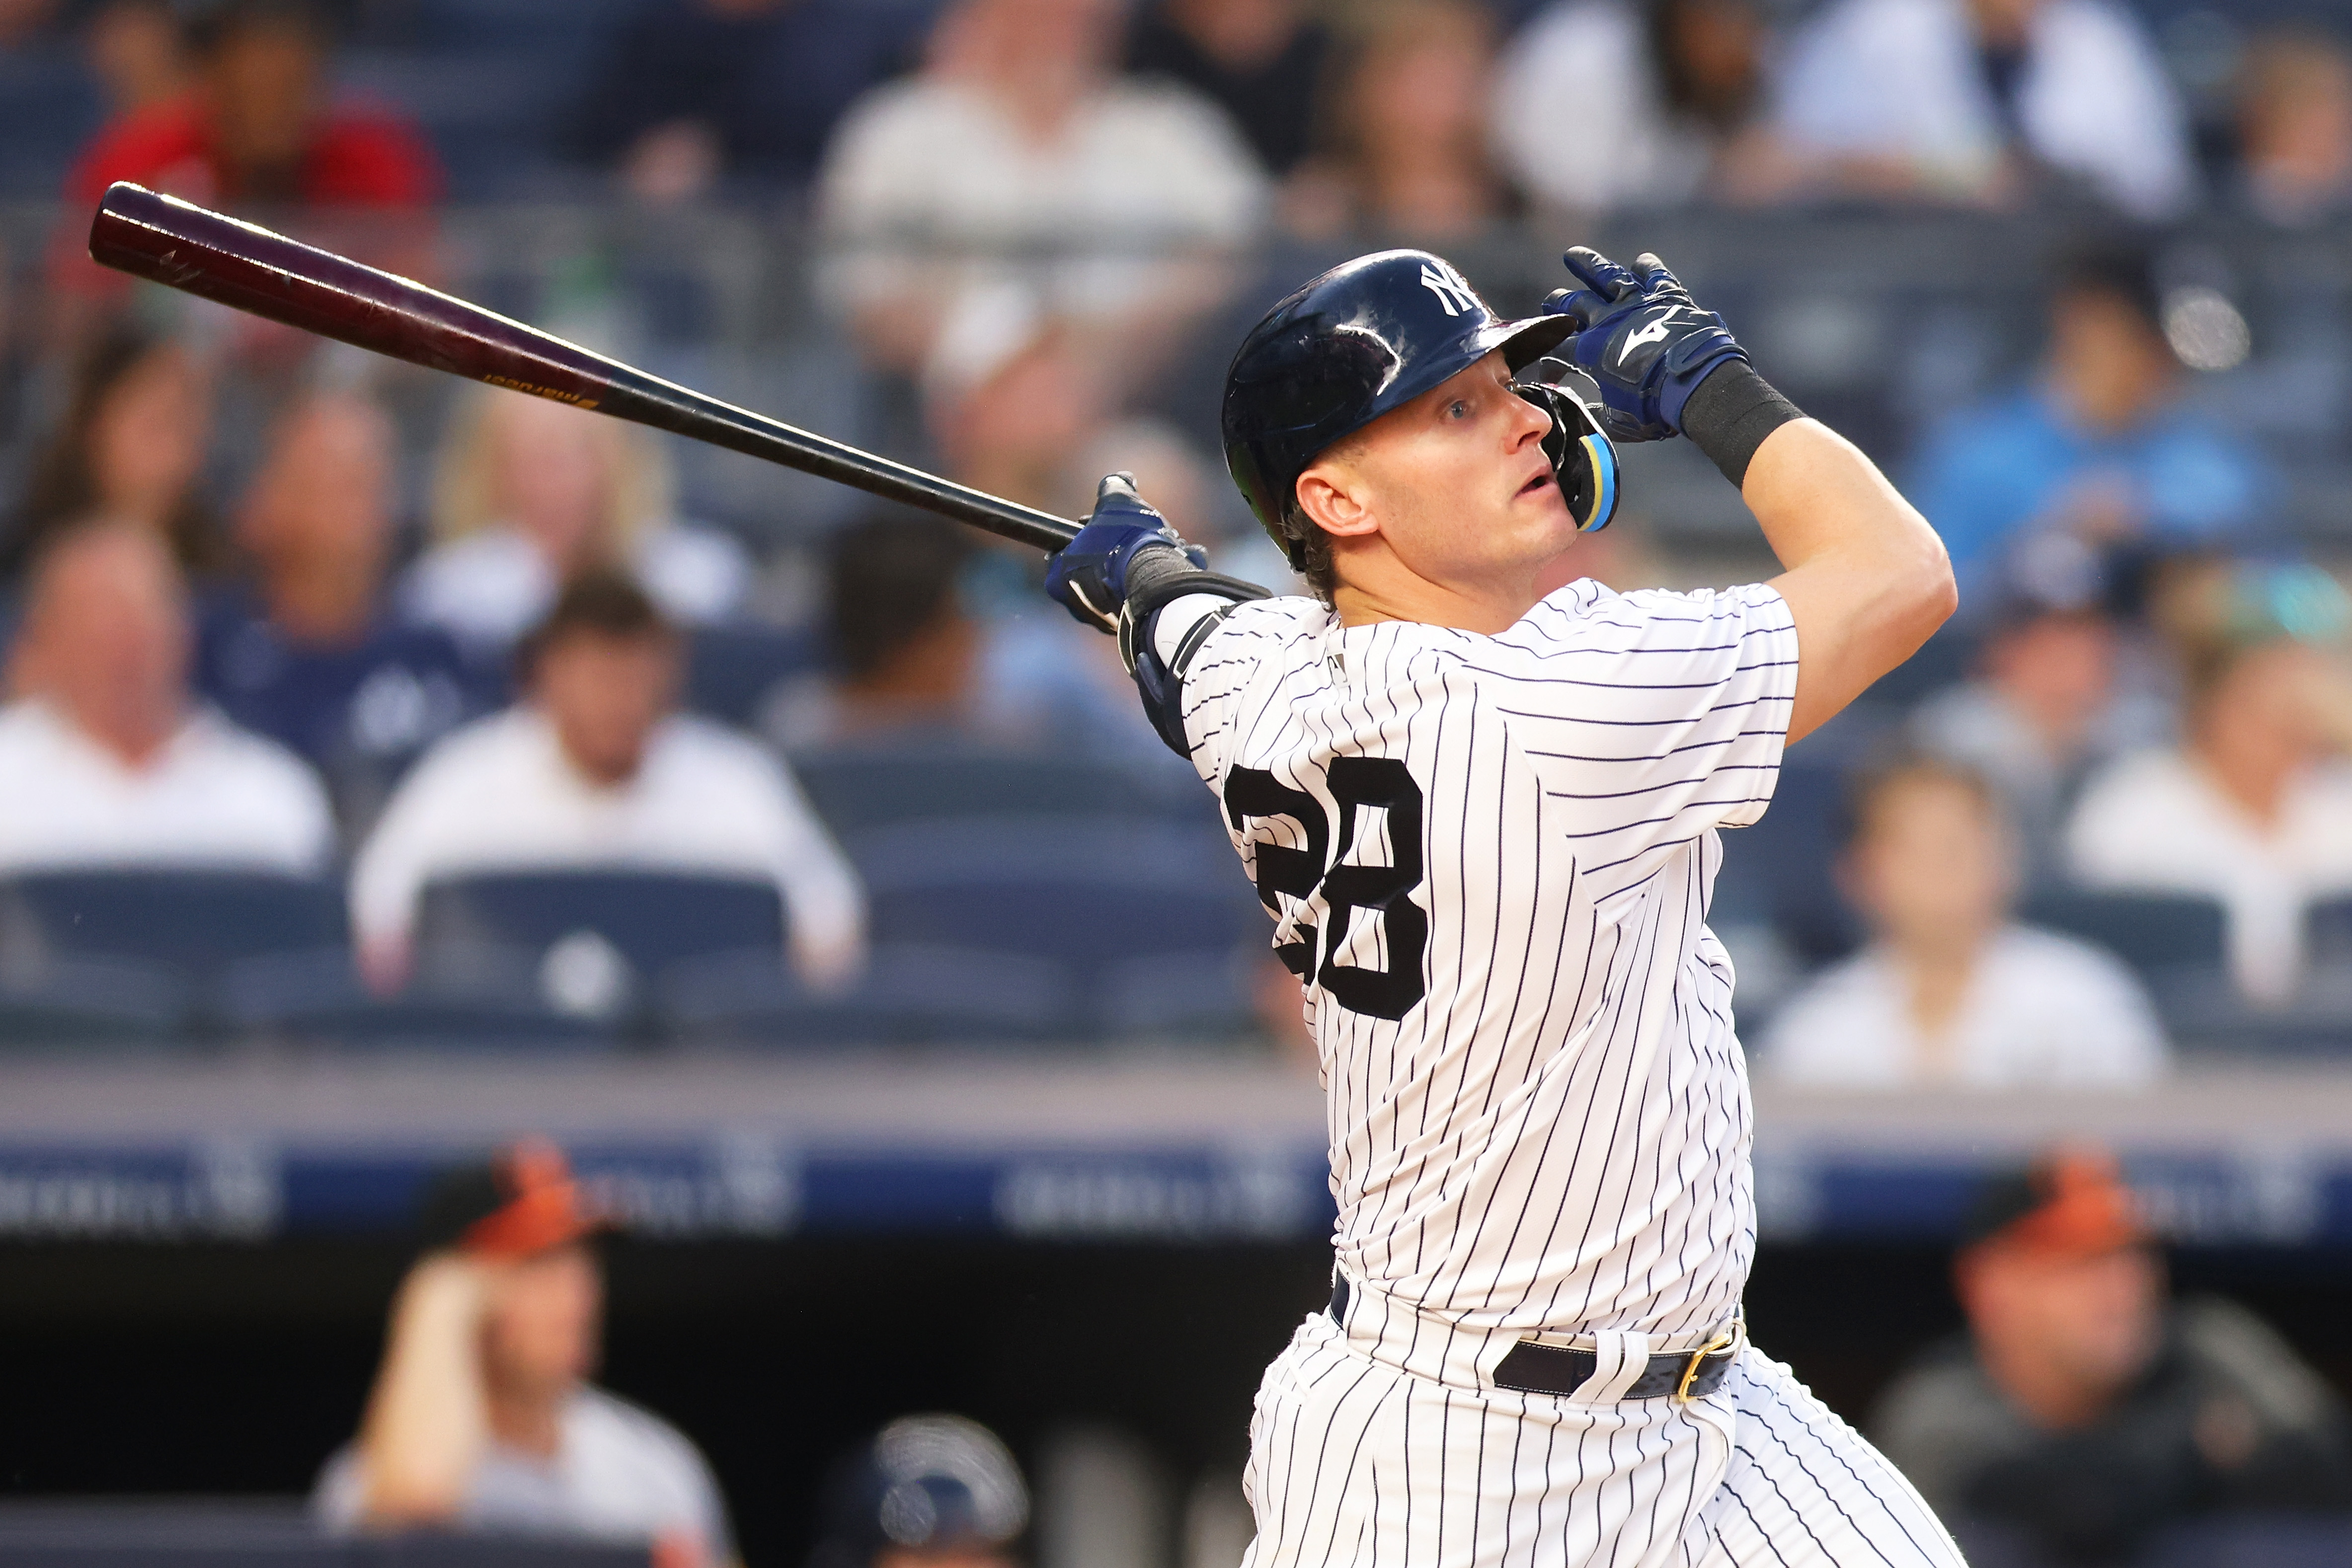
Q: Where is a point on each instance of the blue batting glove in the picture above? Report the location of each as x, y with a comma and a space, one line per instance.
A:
1643, 339
1088, 575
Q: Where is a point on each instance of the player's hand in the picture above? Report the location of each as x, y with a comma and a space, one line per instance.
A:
1088, 575
1641, 337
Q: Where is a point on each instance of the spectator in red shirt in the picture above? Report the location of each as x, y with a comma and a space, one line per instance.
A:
259, 130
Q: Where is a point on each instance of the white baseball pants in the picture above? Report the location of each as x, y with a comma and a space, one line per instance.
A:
1387, 1443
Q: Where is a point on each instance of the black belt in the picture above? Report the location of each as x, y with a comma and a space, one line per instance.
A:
1532, 1368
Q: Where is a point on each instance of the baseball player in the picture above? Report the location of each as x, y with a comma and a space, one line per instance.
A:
1483, 819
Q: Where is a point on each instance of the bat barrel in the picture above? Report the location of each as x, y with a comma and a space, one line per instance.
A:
240, 264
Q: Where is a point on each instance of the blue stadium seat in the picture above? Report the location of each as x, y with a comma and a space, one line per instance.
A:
2173, 941
1097, 896
589, 943
859, 789
910, 995
316, 998
192, 917
731, 669
84, 1002
652, 918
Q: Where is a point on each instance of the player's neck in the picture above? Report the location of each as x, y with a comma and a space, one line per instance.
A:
1385, 589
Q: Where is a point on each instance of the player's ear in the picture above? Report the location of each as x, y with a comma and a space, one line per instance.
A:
1333, 496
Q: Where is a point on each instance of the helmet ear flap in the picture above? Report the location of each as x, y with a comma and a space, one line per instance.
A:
1583, 458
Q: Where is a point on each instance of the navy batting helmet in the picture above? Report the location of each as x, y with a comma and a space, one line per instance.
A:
1367, 337
924, 1483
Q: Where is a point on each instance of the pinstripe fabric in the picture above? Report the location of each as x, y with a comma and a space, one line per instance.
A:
1555, 1137
1355, 1461
1538, 1108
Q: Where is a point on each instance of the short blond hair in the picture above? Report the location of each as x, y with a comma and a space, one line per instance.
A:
639, 487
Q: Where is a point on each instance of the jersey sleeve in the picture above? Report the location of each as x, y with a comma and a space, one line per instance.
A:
1649, 717
1196, 654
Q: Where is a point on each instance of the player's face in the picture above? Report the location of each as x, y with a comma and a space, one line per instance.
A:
1458, 484
542, 1330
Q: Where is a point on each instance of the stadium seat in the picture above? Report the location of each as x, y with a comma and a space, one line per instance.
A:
2157, 934
198, 920
859, 789
1100, 898
180, 932
910, 995
731, 669
593, 940
653, 917
84, 1002
316, 998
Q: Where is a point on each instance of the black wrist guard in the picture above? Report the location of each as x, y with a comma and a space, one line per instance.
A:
1731, 412
1161, 576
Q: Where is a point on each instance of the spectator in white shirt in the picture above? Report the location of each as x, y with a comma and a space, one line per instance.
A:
483, 1420
528, 493
103, 759
595, 768
1960, 98
1950, 990
1602, 104
2255, 809
1019, 178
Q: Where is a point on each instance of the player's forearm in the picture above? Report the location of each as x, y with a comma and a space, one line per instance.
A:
427, 1419
1868, 581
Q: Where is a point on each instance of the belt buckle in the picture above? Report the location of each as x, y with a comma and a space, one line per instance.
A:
1725, 1339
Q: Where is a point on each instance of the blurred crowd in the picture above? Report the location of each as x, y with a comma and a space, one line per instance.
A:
2080, 1413
276, 609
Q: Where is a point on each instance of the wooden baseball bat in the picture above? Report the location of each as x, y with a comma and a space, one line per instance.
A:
184, 246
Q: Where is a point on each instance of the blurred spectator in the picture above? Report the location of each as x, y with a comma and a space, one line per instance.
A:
260, 127
2044, 708
482, 1418
137, 51
595, 768
130, 448
1014, 431
2099, 448
906, 652
309, 655
21, 21
2295, 126
1260, 60
929, 1491
2254, 809
2083, 1409
1965, 99
1639, 103
1405, 128
1950, 989
1020, 178
529, 493
102, 759
691, 92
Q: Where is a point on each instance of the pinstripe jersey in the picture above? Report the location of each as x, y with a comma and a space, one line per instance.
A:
1489, 859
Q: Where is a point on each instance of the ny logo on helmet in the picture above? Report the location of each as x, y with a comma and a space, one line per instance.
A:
1451, 291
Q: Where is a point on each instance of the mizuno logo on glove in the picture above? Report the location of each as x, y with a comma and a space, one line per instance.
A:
1655, 332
